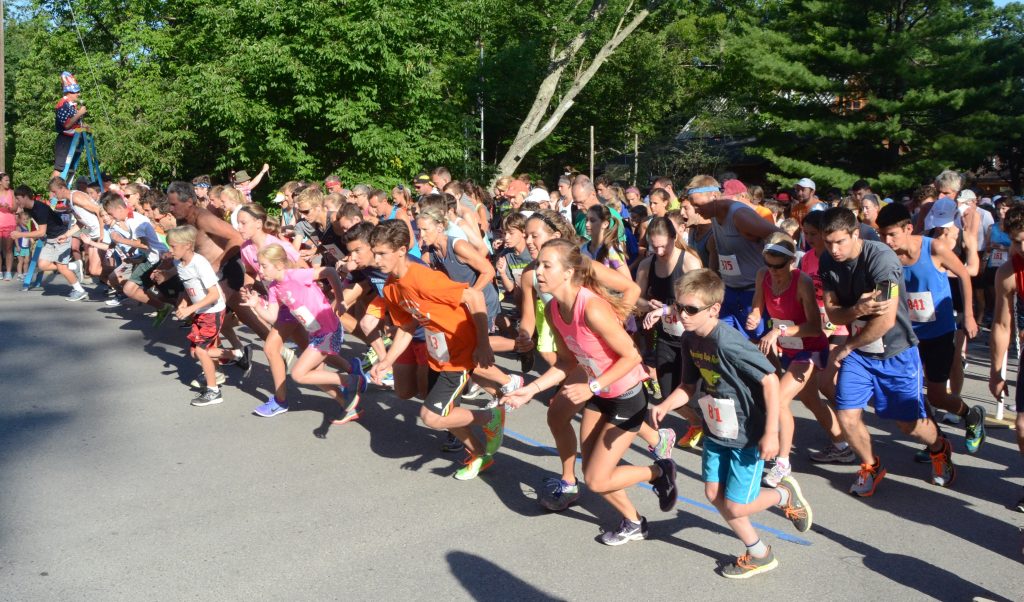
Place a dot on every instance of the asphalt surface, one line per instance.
(112, 487)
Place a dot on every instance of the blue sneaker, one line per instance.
(356, 387)
(270, 409)
(358, 373)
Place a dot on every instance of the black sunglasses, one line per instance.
(691, 310)
(775, 266)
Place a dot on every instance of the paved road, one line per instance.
(114, 488)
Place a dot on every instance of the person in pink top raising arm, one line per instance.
(598, 362)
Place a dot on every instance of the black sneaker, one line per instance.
(628, 531)
(526, 360)
(451, 444)
(208, 398)
(245, 362)
(665, 485)
(1020, 505)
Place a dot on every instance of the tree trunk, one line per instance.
(539, 124)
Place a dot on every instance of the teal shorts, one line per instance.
(739, 468)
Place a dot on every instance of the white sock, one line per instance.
(213, 389)
(78, 287)
(758, 549)
(841, 445)
(237, 353)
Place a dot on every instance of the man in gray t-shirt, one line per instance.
(878, 363)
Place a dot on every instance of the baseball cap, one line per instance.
(515, 187)
(731, 188)
(943, 215)
(966, 195)
(538, 195)
(806, 183)
(423, 178)
(782, 197)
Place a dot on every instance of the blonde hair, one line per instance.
(502, 183)
(783, 240)
(702, 181)
(231, 194)
(434, 213)
(182, 235)
(310, 196)
(704, 284)
(583, 275)
(275, 254)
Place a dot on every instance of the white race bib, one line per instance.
(789, 342)
(306, 318)
(728, 266)
(517, 275)
(921, 306)
(720, 416)
(998, 257)
(671, 324)
(873, 347)
(437, 346)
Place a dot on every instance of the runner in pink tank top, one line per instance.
(598, 362)
(787, 296)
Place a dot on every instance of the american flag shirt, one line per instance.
(65, 110)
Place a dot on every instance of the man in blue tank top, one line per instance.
(927, 264)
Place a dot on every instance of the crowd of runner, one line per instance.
(650, 312)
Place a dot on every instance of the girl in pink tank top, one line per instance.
(598, 362)
(796, 335)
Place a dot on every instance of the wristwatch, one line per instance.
(595, 387)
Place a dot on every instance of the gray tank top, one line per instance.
(458, 271)
(739, 259)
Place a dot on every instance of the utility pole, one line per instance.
(3, 94)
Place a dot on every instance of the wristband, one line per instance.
(664, 310)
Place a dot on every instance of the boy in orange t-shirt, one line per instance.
(454, 321)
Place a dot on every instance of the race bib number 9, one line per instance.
(720, 416)
(437, 346)
(728, 266)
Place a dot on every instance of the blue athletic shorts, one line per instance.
(736, 306)
(895, 384)
(740, 470)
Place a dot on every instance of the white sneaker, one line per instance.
(776, 474)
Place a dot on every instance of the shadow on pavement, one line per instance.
(484, 580)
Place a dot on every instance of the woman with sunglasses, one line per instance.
(668, 259)
(558, 493)
(787, 295)
(602, 370)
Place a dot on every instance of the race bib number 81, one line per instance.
(720, 416)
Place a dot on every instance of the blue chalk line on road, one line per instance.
(780, 534)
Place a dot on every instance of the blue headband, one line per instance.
(703, 189)
(202, 185)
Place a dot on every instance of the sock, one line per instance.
(78, 287)
(213, 389)
(841, 445)
(237, 353)
(782, 461)
(634, 522)
(783, 496)
(757, 549)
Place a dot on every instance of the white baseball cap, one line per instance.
(806, 183)
(944, 214)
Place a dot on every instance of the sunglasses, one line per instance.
(775, 266)
(690, 310)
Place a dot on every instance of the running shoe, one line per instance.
(207, 398)
(559, 494)
(161, 315)
(778, 472)
(110, 291)
(691, 437)
(666, 441)
(473, 466)
(923, 455)
(201, 384)
(975, 434)
(943, 470)
(747, 566)
(797, 510)
(664, 485)
(348, 416)
(494, 430)
(868, 478)
(1020, 505)
(7, 276)
(452, 444)
(474, 391)
(270, 409)
(388, 380)
(628, 531)
(370, 357)
(245, 362)
(526, 361)
(515, 382)
(116, 301)
(833, 455)
(77, 295)
(359, 374)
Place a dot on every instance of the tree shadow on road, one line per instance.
(484, 580)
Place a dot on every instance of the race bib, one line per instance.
(517, 275)
(921, 306)
(124, 270)
(720, 416)
(789, 342)
(589, 366)
(874, 346)
(671, 324)
(306, 318)
(998, 257)
(728, 266)
(437, 346)
(195, 294)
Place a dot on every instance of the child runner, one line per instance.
(602, 369)
(297, 290)
(23, 246)
(204, 299)
(787, 296)
(454, 318)
(741, 411)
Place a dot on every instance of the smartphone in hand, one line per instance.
(885, 290)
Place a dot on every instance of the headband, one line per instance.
(702, 189)
(202, 185)
(781, 250)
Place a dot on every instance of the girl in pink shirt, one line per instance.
(598, 362)
(297, 289)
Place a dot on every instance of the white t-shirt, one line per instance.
(199, 278)
(986, 224)
(87, 220)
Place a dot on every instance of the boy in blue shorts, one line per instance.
(741, 420)
(864, 288)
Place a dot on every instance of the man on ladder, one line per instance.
(68, 117)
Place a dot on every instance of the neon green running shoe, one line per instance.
(474, 465)
(495, 430)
